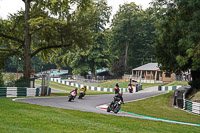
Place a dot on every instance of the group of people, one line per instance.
(116, 89)
(82, 90)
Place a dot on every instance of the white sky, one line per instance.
(11, 6)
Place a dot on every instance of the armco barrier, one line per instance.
(59, 80)
(18, 91)
(168, 88)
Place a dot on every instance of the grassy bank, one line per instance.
(160, 107)
(175, 83)
(69, 88)
(124, 84)
(196, 97)
(21, 117)
(108, 84)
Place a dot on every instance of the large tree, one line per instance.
(125, 28)
(96, 54)
(178, 30)
(42, 27)
(133, 36)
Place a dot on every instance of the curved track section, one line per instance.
(88, 103)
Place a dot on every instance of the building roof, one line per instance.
(149, 66)
(99, 70)
(53, 73)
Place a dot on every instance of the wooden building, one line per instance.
(150, 73)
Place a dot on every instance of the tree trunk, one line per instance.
(126, 56)
(27, 55)
(195, 84)
(93, 72)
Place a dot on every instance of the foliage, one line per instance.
(48, 25)
(96, 54)
(14, 63)
(178, 45)
(133, 37)
(1, 79)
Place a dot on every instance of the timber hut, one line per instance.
(151, 73)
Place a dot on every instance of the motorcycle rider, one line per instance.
(83, 90)
(130, 87)
(75, 90)
(116, 88)
(118, 94)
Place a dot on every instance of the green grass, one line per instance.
(69, 88)
(21, 117)
(196, 97)
(147, 85)
(160, 107)
(108, 84)
(124, 84)
(175, 83)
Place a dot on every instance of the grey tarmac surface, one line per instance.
(88, 103)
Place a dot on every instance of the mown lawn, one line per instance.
(124, 84)
(175, 83)
(69, 88)
(21, 117)
(160, 107)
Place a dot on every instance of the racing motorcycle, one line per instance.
(81, 95)
(130, 89)
(115, 105)
(72, 96)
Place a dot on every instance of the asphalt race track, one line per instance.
(88, 103)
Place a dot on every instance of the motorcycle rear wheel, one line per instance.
(108, 109)
(116, 110)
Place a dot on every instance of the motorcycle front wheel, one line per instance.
(70, 98)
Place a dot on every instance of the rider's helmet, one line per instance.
(76, 89)
(117, 86)
(84, 86)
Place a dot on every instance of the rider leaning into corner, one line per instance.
(83, 89)
(75, 90)
(117, 93)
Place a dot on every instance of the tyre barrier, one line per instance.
(59, 80)
(168, 88)
(193, 107)
(18, 91)
(181, 102)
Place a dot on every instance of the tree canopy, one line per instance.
(97, 53)
(43, 27)
(133, 37)
(178, 30)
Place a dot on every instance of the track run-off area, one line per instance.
(98, 104)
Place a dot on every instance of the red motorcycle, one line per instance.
(130, 89)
